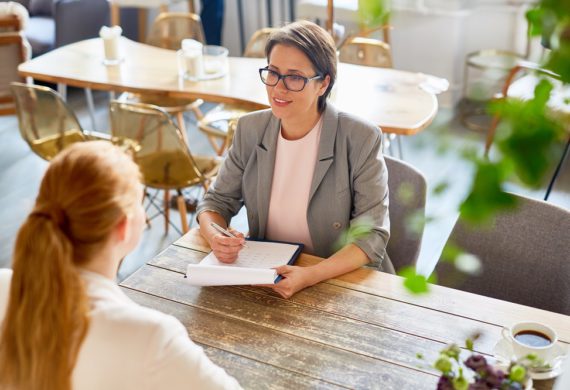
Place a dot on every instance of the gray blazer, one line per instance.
(350, 181)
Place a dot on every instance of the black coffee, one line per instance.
(532, 338)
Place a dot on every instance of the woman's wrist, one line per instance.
(315, 275)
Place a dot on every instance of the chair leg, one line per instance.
(400, 150)
(182, 210)
(182, 126)
(62, 90)
(91, 106)
(197, 112)
(214, 143)
(166, 210)
(491, 134)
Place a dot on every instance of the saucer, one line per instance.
(504, 353)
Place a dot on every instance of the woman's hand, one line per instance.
(294, 279)
(227, 248)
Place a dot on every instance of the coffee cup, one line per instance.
(532, 338)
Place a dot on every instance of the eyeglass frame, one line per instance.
(284, 77)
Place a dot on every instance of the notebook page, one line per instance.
(259, 254)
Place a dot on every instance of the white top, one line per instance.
(128, 346)
(290, 189)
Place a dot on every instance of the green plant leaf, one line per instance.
(440, 188)
(487, 195)
(374, 13)
(535, 17)
(415, 283)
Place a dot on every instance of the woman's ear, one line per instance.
(121, 229)
(324, 85)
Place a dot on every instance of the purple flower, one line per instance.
(479, 386)
(475, 362)
(444, 383)
(494, 378)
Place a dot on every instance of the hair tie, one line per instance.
(54, 212)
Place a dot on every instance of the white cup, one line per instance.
(111, 37)
(521, 335)
(111, 47)
(190, 60)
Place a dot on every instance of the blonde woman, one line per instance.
(65, 322)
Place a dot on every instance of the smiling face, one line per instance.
(292, 106)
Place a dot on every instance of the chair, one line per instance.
(143, 7)
(170, 28)
(161, 152)
(13, 17)
(215, 123)
(14, 49)
(407, 197)
(168, 31)
(366, 51)
(46, 123)
(525, 256)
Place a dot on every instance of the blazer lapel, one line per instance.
(325, 156)
(266, 151)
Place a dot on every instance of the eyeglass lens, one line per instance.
(292, 82)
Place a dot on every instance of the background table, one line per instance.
(361, 330)
(390, 98)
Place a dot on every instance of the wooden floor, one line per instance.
(21, 171)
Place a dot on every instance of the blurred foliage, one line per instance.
(528, 135)
(486, 196)
(360, 228)
(414, 282)
(374, 13)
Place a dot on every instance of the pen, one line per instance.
(225, 231)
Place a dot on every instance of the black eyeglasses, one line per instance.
(292, 82)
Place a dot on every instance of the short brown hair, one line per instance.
(315, 43)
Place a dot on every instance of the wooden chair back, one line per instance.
(256, 46)
(170, 28)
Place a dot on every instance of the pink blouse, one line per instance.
(294, 167)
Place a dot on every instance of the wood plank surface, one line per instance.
(352, 314)
(287, 352)
(289, 317)
(252, 373)
(422, 319)
(455, 302)
(392, 99)
(388, 313)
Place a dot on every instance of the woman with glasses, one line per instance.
(64, 321)
(305, 171)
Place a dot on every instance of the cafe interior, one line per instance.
(477, 160)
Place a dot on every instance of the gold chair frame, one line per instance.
(61, 128)
(190, 169)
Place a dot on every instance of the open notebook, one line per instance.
(254, 265)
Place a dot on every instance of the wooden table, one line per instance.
(361, 330)
(390, 98)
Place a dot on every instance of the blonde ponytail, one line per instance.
(85, 192)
